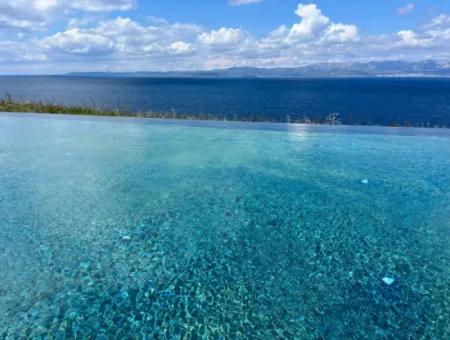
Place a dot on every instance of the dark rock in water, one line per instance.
(273, 223)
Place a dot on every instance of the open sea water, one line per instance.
(140, 229)
(375, 101)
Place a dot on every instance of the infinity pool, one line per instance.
(128, 228)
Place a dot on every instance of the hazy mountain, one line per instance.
(428, 68)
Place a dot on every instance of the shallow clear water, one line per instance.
(129, 228)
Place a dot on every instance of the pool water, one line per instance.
(128, 228)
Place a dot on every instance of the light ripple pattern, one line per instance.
(131, 229)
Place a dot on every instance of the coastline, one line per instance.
(8, 105)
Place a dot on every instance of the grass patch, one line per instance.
(7, 104)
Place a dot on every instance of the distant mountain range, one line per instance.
(427, 68)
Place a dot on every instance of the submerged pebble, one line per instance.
(84, 265)
(388, 280)
(123, 294)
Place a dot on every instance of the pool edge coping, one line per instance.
(244, 125)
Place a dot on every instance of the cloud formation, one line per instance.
(102, 5)
(121, 43)
(243, 2)
(314, 25)
(75, 41)
(122, 39)
(408, 8)
(26, 14)
(222, 37)
(38, 14)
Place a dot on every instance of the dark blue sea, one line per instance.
(380, 101)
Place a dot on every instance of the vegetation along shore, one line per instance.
(8, 104)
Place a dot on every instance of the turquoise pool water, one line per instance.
(126, 228)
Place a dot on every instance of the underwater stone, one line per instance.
(84, 265)
(388, 280)
(123, 294)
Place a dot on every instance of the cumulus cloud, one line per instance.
(38, 14)
(409, 38)
(433, 35)
(341, 33)
(26, 14)
(21, 52)
(102, 5)
(180, 47)
(78, 42)
(442, 21)
(223, 37)
(120, 43)
(312, 23)
(314, 28)
(123, 36)
(408, 8)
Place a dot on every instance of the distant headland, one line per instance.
(428, 68)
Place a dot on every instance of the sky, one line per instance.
(59, 36)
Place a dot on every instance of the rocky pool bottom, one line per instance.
(116, 228)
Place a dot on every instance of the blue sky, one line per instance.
(56, 36)
(262, 17)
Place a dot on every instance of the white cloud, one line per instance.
(439, 22)
(45, 5)
(243, 2)
(94, 42)
(20, 52)
(78, 42)
(223, 36)
(314, 28)
(38, 14)
(408, 8)
(123, 37)
(180, 47)
(433, 35)
(409, 38)
(312, 22)
(102, 5)
(26, 14)
(340, 33)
